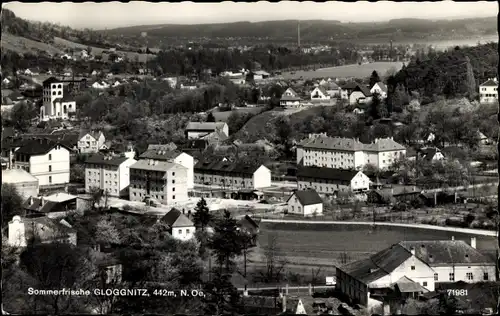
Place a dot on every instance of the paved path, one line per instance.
(480, 232)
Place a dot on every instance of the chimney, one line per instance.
(412, 250)
(392, 191)
(473, 242)
(452, 237)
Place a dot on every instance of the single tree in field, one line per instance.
(202, 216)
(374, 78)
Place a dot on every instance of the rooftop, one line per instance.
(226, 167)
(307, 197)
(160, 154)
(326, 173)
(17, 176)
(349, 144)
(154, 165)
(99, 159)
(204, 126)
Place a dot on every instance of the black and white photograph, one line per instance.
(250, 158)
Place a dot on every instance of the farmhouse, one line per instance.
(111, 174)
(232, 175)
(181, 227)
(46, 230)
(165, 154)
(48, 161)
(196, 130)
(24, 182)
(163, 181)
(332, 181)
(305, 202)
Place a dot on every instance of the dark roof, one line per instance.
(381, 85)
(37, 206)
(438, 252)
(226, 167)
(365, 90)
(307, 197)
(171, 217)
(50, 80)
(249, 224)
(350, 85)
(106, 160)
(378, 265)
(326, 173)
(162, 155)
(38, 146)
(406, 285)
(205, 126)
(490, 83)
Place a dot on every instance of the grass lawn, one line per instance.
(356, 71)
(22, 45)
(223, 116)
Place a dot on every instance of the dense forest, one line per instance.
(457, 72)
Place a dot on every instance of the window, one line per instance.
(173, 197)
(50, 156)
(173, 189)
(173, 181)
(436, 277)
(50, 179)
(485, 276)
(180, 231)
(413, 267)
(187, 231)
(452, 277)
(424, 283)
(469, 276)
(50, 168)
(173, 174)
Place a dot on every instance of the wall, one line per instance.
(360, 182)
(330, 158)
(187, 161)
(355, 96)
(124, 176)
(488, 94)
(262, 178)
(183, 233)
(461, 273)
(196, 135)
(27, 189)
(314, 209)
(39, 166)
(176, 188)
(324, 186)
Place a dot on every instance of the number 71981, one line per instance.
(457, 292)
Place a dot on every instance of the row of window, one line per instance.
(484, 89)
(106, 174)
(489, 95)
(158, 197)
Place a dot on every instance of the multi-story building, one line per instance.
(181, 158)
(90, 141)
(488, 91)
(48, 161)
(111, 174)
(347, 153)
(57, 102)
(196, 130)
(232, 175)
(332, 181)
(420, 265)
(163, 181)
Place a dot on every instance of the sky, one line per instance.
(116, 14)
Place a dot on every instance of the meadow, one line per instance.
(326, 244)
(223, 116)
(346, 71)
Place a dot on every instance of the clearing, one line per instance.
(23, 45)
(224, 115)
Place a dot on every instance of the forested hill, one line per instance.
(322, 29)
(452, 73)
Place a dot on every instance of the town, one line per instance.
(302, 177)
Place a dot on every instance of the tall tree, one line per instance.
(202, 216)
(374, 78)
(12, 203)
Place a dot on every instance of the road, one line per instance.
(461, 188)
(480, 232)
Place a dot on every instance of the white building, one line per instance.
(196, 130)
(110, 174)
(232, 175)
(57, 103)
(42, 229)
(332, 181)
(48, 161)
(181, 227)
(320, 93)
(166, 154)
(305, 203)
(488, 91)
(360, 95)
(25, 183)
(347, 153)
(90, 141)
(380, 89)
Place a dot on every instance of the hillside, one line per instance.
(323, 30)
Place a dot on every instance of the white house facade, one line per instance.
(331, 181)
(488, 91)
(109, 174)
(380, 89)
(305, 203)
(90, 142)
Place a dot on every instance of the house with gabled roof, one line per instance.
(53, 206)
(488, 91)
(360, 95)
(305, 203)
(379, 88)
(90, 141)
(331, 181)
(319, 93)
(197, 130)
(45, 159)
(290, 98)
(181, 227)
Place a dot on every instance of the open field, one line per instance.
(322, 244)
(20, 44)
(356, 71)
(97, 50)
(223, 116)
